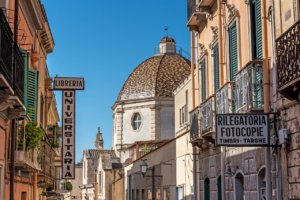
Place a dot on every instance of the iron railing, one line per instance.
(288, 56)
(249, 88)
(6, 47)
(6, 64)
(195, 124)
(225, 99)
(207, 116)
(191, 8)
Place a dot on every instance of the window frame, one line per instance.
(134, 122)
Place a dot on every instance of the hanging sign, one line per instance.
(68, 134)
(68, 83)
(242, 129)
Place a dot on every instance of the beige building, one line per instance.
(231, 44)
(287, 81)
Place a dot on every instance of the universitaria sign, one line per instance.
(68, 87)
(242, 129)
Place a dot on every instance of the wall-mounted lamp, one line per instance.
(143, 167)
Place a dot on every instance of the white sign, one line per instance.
(242, 129)
(68, 83)
(68, 134)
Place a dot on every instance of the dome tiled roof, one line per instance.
(167, 39)
(157, 76)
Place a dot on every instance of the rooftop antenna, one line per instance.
(166, 29)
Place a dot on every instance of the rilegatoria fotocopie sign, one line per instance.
(242, 129)
(68, 83)
(68, 134)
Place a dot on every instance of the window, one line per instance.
(23, 196)
(239, 186)
(206, 189)
(203, 79)
(143, 194)
(233, 51)
(256, 32)
(136, 121)
(183, 111)
(215, 51)
(179, 193)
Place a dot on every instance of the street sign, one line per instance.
(242, 129)
(68, 83)
(68, 134)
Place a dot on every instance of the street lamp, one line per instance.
(143, 168)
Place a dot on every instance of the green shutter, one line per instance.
(233, 51)
(203, 79)
(258, 31)
(216, 66)
(32, 90)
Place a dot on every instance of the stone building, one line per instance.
(232, 74)
(144, 110)
(99, 169)
(287, 81)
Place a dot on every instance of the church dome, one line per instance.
(157, 76)
(167, 39)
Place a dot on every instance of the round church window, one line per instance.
(136, 121)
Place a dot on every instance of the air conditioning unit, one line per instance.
(283, 135)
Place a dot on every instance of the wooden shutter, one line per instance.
(233, 51)
(216, 66)
(258, 31)
(203, 79)
(32, 90)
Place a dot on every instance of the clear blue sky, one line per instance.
(103, 41)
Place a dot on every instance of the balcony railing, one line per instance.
(249, 88)
(207, 116)
(27, 160)
(195, 124)
(6, 64)
(191, 8)
(6, 46)
(224, 99)
(288, 59)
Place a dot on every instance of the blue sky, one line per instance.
(103, 41)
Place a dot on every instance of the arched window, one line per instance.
(239, 186)
(262, 184)
(206, 189)
(136, 121)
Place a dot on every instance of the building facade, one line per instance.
(232, 47)
(286, 81)
(33, 117)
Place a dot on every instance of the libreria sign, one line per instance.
(242, 129)
(68, 85)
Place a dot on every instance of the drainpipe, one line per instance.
(193, 67)
(266, 81)
(220, 42)
(222, 73)
(274, 70)
(13, 130)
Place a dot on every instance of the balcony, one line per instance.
(26, 160)
(195, 136)
(249, 88)
(224, 99)
(287, 61)
(207, 119)
(197, 15)
(12, 94)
